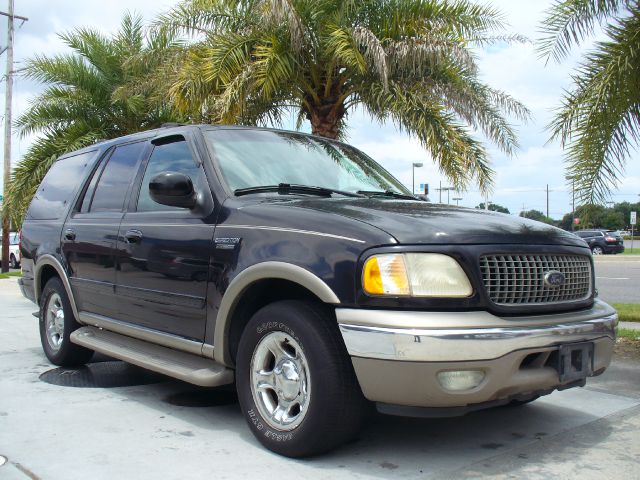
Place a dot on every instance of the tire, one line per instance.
(597, 250)
(57, 322)
(518, 403)
(12, 261)
(313, 373)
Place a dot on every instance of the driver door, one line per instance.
(164, 252)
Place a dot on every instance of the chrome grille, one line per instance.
(519, 279)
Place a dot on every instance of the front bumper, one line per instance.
(397, 355)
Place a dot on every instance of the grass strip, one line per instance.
(10, 274)
(628, 312)
(629, 333)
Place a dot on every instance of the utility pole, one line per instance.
(573, 205)
(440, 192)
(7, 132)
(547, 200)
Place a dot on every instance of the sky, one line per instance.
(520, 181)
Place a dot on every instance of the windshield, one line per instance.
(253, 158)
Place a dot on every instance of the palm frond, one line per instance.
(84, 101)
(599, 119)
(568, 22)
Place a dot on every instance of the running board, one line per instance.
(183, 366)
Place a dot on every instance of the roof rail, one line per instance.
(172, 124)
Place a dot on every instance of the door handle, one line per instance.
(69, 234)
(133, 236)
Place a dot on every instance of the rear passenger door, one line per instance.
(164, 251)
(90, 233)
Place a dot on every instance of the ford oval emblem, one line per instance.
(554, 278)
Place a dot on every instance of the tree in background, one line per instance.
(599, 119)
(84, 101)
(538, 216)
(408, 61)
(494, 207)
(597, 216)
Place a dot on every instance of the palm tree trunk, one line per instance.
(326, 120)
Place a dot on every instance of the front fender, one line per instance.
(257, 272)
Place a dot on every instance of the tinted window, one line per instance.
(58, 186)
(116, 177)
(169, 157)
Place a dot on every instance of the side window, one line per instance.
(169, 157)
(116, 177)
(58, 186)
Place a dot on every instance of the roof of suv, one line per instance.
(156, 131)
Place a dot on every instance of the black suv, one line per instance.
(304, 272)
(602, 241)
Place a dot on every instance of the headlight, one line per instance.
(415, 274)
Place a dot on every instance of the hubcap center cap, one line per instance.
(287, 379)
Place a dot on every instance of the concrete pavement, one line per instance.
(166, 429)
(630, 325)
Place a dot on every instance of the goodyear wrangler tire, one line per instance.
(295, 381)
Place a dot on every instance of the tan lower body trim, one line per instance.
(415, 383)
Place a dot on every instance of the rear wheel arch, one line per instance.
(256, 287)
(46, 268)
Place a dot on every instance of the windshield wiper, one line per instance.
(285, 188)
(387, 193)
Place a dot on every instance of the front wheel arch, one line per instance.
(256, 296)
(268, 275)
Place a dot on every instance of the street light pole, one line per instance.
(547, 200)
(413, 179)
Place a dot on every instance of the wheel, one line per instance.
(56, 325)
(13, 262)
(597, 250)
(295, 381)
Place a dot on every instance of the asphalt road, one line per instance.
(142, 426)
(618, 278)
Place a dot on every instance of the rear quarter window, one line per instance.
(59, 186)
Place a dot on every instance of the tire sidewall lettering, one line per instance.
(267, 327)
(256, 421)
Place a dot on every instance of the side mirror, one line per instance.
(173, 189)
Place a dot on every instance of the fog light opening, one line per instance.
(460, 380)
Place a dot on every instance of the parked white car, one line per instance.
(14, 250)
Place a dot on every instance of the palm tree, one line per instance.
(408, 61)
(84, 99)
(598, 121)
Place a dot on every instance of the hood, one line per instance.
(416, 222)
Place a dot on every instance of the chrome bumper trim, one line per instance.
(468, 344)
